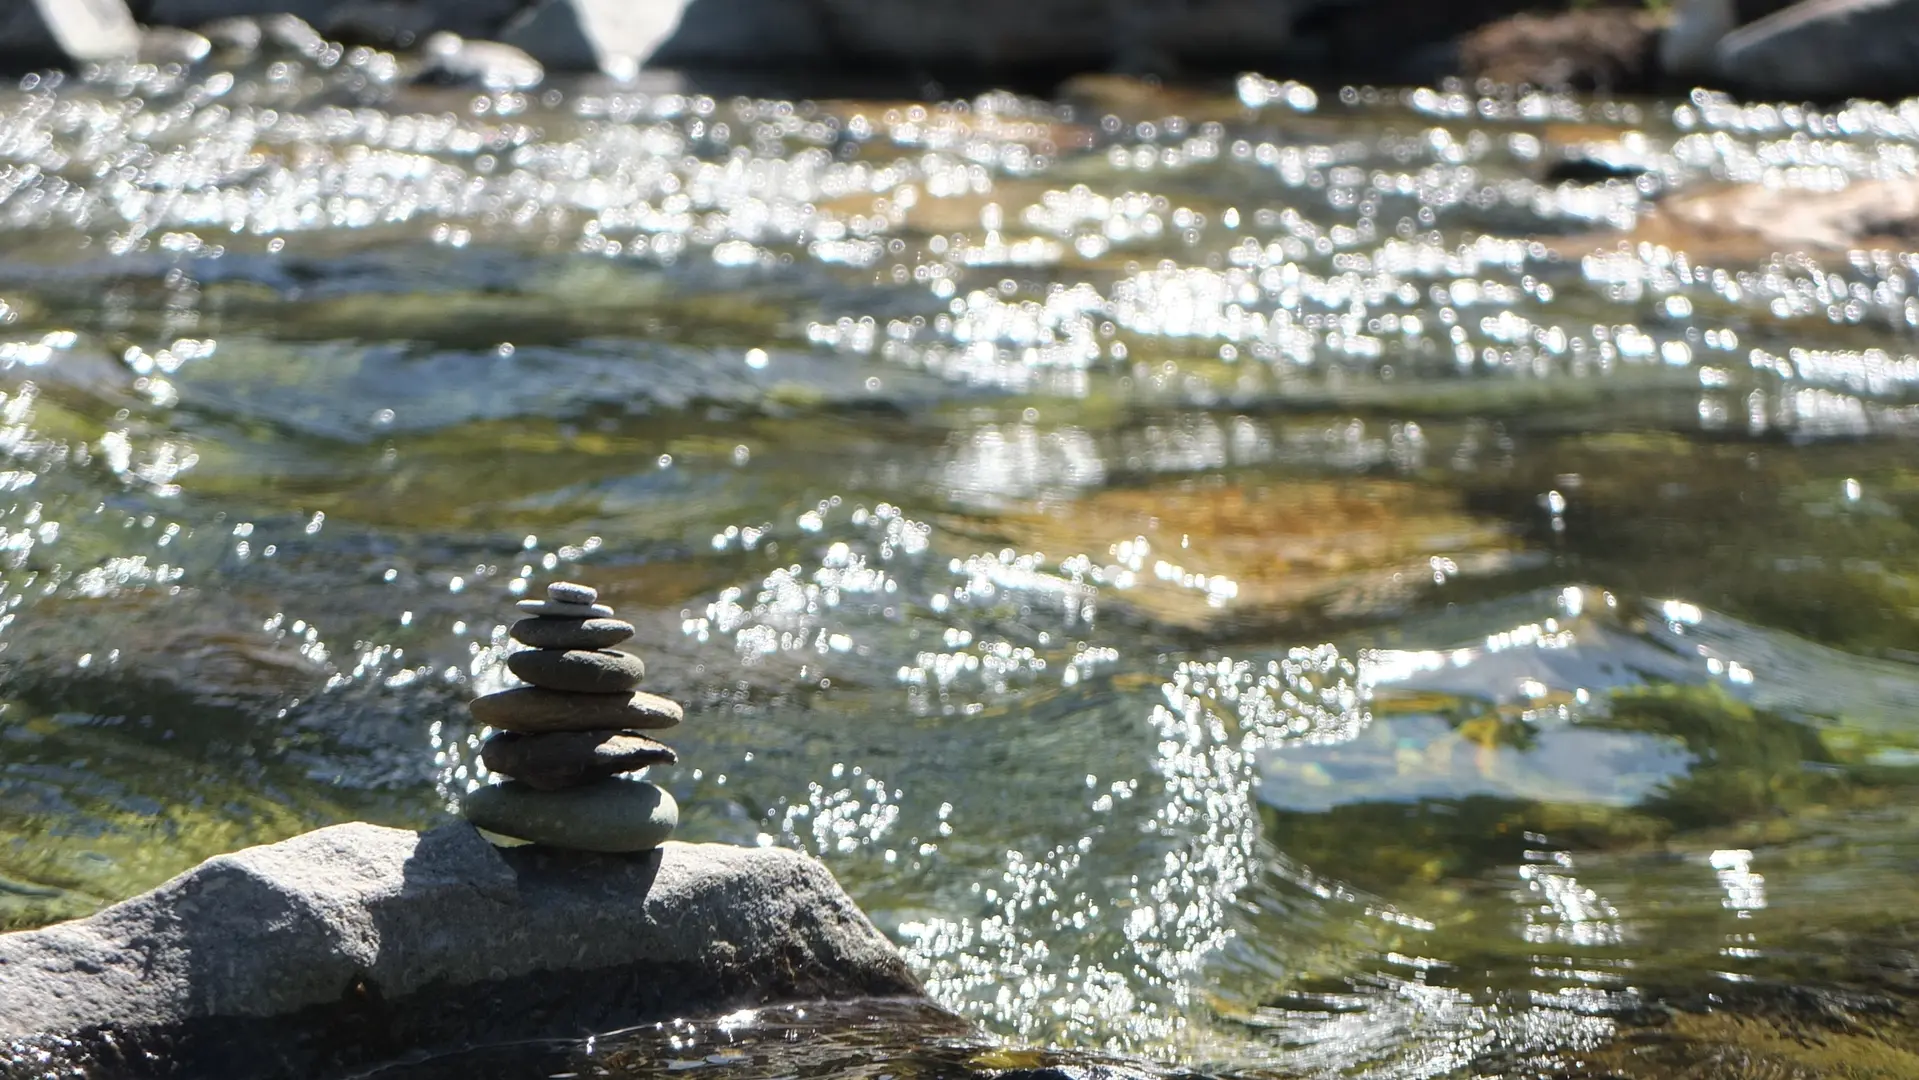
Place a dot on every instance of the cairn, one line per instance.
(569, 742)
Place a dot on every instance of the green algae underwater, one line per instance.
(1213, 575)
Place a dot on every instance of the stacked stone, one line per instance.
(570, 742)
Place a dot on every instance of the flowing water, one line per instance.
(1218, 575)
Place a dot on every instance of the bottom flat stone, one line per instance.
(613, 815)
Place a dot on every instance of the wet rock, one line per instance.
(238, 34)
(1268, 552)
(565, 611)
(255, 962)
(552, 633)
(532, 710)
(452, 60)
(171, 45)
(291, 34)
(1826, 50)
(565, 759)
(51, 33)
(613, 816)
(581, 671)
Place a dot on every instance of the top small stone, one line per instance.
(567, 592)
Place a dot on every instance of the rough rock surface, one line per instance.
(37, 32)
(1826, 49)
(355, 944)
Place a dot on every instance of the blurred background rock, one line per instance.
(1815, 49)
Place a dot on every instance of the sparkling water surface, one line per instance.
(1262, 580)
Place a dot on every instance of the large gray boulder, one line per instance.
(356, 944)
(1826, 50)
(35, 33)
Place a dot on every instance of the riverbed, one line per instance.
(1260, 579)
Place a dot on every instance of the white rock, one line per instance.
(50, 32)
(211, 967)
(491, 65)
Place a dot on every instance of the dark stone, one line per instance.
(564, 759)
(615, 817)
(1826, 50)
(581, 671)
(547, 632)
(532, 710)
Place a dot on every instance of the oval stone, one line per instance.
(613, 816)
(583, 671)
(568, 592)
(531, 710)
(565, 611)
(546, 632)
(568, 759)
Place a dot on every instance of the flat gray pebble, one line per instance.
(582, 671)
(570, 592)
(547, 632)
(532, 710)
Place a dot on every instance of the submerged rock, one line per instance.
(257, 964)
(1742, 222)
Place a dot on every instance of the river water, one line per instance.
(1225, 577)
